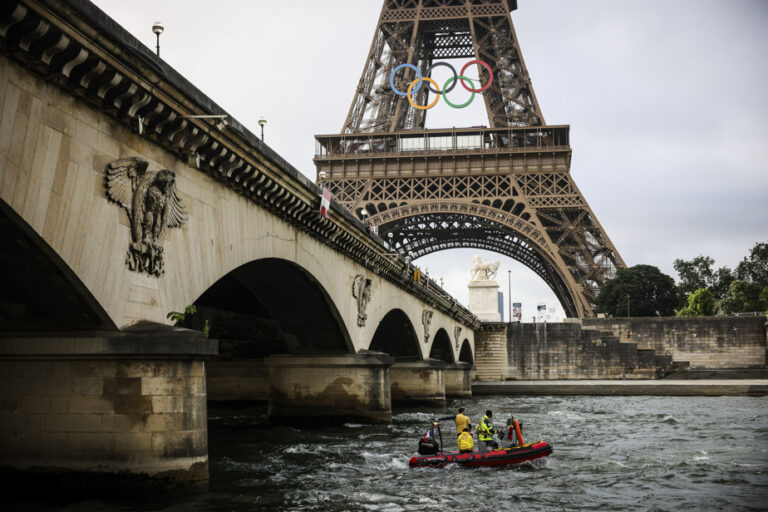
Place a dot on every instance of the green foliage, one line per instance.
(744, 296)
(700, 303)
(178, 317)
(755, 267)
(697, 273)
(647, 291)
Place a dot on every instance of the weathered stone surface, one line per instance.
(704, 342)
(330, 388)
(458, 380)
(242, 380)
(64, 414)
(418, 383)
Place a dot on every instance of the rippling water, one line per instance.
(610, 453)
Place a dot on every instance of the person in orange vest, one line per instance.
(466, 443)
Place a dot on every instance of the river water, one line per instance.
(610, 454)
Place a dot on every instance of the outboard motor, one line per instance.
(428, 447)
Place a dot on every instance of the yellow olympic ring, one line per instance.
(410, 100)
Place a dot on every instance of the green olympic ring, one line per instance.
(446, 89)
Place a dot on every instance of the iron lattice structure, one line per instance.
(505, 188)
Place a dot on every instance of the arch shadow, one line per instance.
(270, 306)
(396, 336)
(40, 292)
(465, 355)
(441, 347)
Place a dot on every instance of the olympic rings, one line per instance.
(456, 78)
(445, 94)
(392, 77)
(437, 96)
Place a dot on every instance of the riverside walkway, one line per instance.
(665, 387)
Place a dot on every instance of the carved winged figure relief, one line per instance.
(152, 204)
(361, 290)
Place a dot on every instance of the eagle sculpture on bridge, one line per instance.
(152, 204)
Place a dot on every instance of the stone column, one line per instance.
(129, 407)
(330, 389)
(242, 380)
(491, 357)
(458, 383)
(484, 300)
(418, 383)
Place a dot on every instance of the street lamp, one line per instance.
(509, 295)
(158, 28)
(262, 122)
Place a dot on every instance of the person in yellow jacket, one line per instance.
(466, 443)
(485, 431)
(461, 419)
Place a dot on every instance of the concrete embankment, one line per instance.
(666, 387)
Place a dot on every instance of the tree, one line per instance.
(697, 273)
(744, 296)
(700, 303)
(643, 288)
(755, 268)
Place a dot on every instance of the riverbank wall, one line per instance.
(631, 348)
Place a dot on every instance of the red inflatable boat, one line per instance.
(500, 457)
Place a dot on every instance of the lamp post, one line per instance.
(262, 122)
(158, 28)
(509, 295)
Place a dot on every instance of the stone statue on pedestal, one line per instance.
(484, 290)
(482, 269)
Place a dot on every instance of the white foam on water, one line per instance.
(352, 425)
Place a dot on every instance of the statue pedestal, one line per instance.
(484, 300)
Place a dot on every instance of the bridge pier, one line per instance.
(458, 381)
(418, 383)
(330, 389)
(87, 413)
(244, 380)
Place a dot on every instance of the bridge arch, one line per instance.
(427, 228)
(27, 266)
(396, 336)
(441, 347)
(466, 356)
(271, 306)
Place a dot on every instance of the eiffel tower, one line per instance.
(505, 188)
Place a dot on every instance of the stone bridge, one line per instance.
(125, 195)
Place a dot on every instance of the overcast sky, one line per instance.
(666, 101)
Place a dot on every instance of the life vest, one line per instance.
(485, 430)
(465, 441)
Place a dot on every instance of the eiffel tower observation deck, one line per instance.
(506, 187)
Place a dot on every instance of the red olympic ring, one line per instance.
(486, 66)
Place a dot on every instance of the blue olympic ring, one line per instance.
(392, 78)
